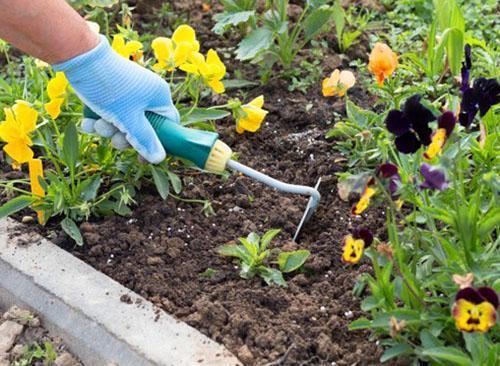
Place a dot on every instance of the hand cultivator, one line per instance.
(206, 151)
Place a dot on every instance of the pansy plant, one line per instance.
(475, 310)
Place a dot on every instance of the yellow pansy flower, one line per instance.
(338, 83)
(131, 50)
(36, 170)
(253, 116)
(19, 121)
(56, 88)
(355, 244)
(211, 69)
(352, 250)
(364, 201)
(475, 310)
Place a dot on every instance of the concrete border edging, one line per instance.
(83, 306)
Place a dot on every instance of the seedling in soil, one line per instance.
(32, 354)
(253, 253)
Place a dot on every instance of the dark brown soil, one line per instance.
(161, 250)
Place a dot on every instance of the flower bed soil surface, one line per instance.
(161, 250)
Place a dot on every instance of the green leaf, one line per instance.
(428, 339)
(370, 303)
(176, 182)
(161, 181)
(15, 205)
(357, 115)
(339, 19)
(448, 354)
(69, 226)
(230, 250)
(271, 275)
(258, 40)
(267, 237)
(361, 323)
(455, 49)
(196, 115)
(89, 187)
(71, 146)
(238, 83)
(251, 247)
(291, 261)
(315, 21)
(226, 19)
(396, 351)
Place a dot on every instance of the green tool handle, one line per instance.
(177, 140)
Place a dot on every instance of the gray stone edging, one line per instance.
(83, 306)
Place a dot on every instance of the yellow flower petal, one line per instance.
(257, 102)
(364, 201)
(352, 249)
(118, 44)
(25, 116)
(471, 317)
(133, 47)
(436, 145)
(185, 34)
(36, 170)
(163, 49)
(217, 86)
(57, 86)
(53, 108)
(19, 151)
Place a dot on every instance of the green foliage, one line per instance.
(349, 26)
(270, 35)
(252, 253)
(35, 353)
(78, 4)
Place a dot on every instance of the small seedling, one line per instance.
(35, 352)
(208, 273)
(253, 253)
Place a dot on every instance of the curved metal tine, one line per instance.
(311, 207)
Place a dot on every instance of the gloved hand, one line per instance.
(120, 92)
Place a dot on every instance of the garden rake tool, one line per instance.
(205, 150)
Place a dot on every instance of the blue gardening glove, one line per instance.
(120, 92)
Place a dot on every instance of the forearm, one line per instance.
(47, 29)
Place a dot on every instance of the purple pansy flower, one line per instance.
(390, 171)
(434, 178)
(484, 94)
(410, 125)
